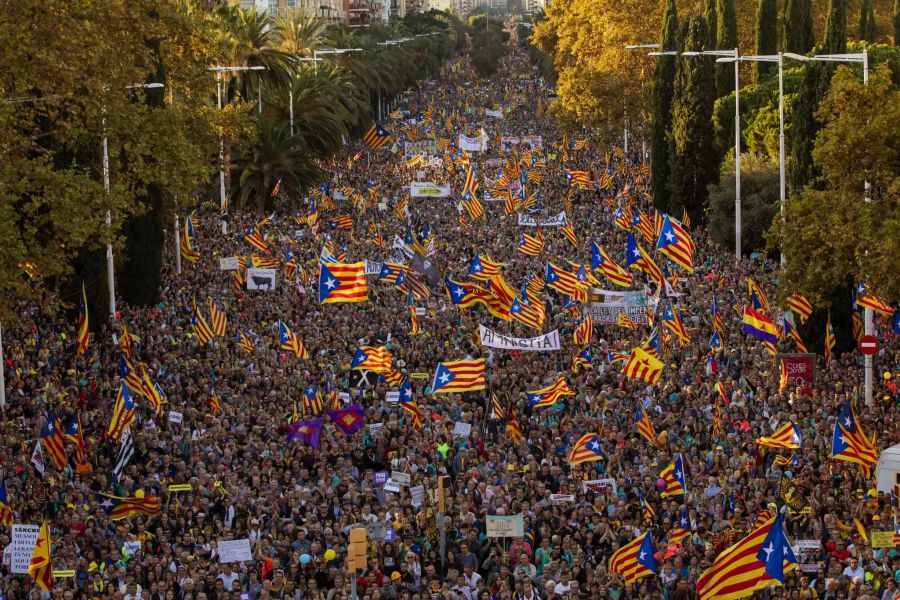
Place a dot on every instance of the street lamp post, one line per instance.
(868, 315)
(291, 89)
(110, 261)
(220, 84)
(316, 53)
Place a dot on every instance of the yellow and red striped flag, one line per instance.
(342, 282)
(41, 566)
(457, 376)
(635, 559)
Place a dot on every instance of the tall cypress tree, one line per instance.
(813, 86)
(726, 39)
(711, 13)
(867, 21)
(661, 92)
(797, 34)
(897, 22)
(766, 36)
(692, 154)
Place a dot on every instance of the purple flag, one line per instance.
(308, 431)
(350, 419)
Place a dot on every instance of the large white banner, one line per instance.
(261, 279)
(471, 144)
(234, 550)
(552, 221)
(420, 147)
(543, 343)
(508, 141)
(497, 114)
(426, 189)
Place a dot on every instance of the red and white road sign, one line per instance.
(868, 344)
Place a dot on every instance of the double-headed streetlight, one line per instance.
(291, 88)
(868, 315)
(110, 263)
(220, 84)
(325, 51)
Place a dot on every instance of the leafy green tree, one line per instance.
(726, 39)
(867, 21)
(711, 14)
(896, 20)
(691, 152)
(766, 36)
(832, 235)
(661, 92)
(797, 32)
(759, 200)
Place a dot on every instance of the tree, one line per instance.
(691, 151)
(896, 20)
(867, 21)
(766, 36)
(797, 33)
(710, 13)
(759, 200)
(832, 236)
(813, 85)
(661, 92)
(726, 39)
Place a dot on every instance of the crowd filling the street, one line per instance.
(477, 343)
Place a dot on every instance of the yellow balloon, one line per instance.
(887, 375)
(139, 494)
(329, 554)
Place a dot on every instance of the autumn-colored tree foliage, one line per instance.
(834, 235)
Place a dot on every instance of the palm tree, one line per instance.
(275, 156)
(298, 33)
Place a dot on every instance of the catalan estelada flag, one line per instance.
(639, 259)
(41, 566)
(601, 261)
(342, 282)
(551, 394)
(187, 240)
(716, 316)
(291, 342)
(117, 508)
(786, 437)
(850, 443)
(152, 392)
(373, 358)
(408, 404)
(676, 243)
(584, 332)
(586, 449)
(255, 239)
(513, 429)
(123, 413)
(800, 305)
(758, 561)
(218, 318)
(641, 365)
(682, 528)
(673, 475)
(644, 425)
(569, 232)
(531, 245)
(457, 376)
(867, 300)
(53, 441)
(635, 559)
(671, 320)
(759, 326)
(82, 333)
(376, 137)
(201, 327)
(757, 296)
(484, 268)
(245, 342)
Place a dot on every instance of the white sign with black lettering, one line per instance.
(418, 495)
(461, 429)
(229, 263)
(234, 550)
(24, 539)
(392, 397)
(175, 417)
(401, 478)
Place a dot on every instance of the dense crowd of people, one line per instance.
(296, 503)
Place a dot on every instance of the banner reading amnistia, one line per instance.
(543, 343)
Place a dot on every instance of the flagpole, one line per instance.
(177, 247)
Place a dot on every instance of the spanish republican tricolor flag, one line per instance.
(759, 326)
(41, 567)
(83, 334)
(342, 282)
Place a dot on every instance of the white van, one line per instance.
(887, 473)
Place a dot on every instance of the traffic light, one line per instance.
(356, 554)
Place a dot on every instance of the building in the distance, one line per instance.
(331, 11)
